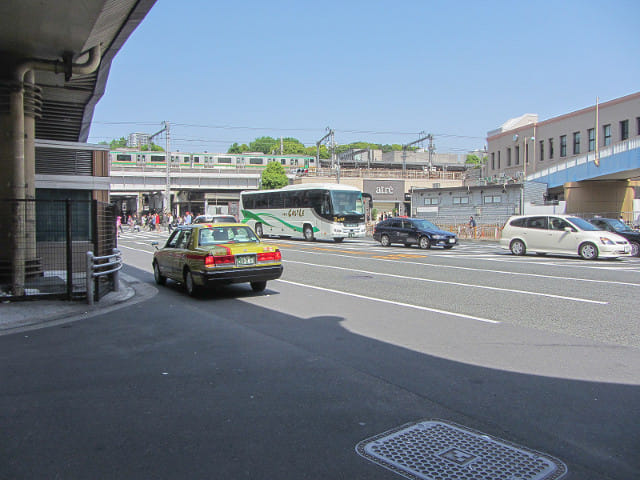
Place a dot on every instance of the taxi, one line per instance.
(207, 254)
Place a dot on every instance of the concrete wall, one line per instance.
(599, 197)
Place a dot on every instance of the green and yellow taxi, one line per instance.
(208, 254)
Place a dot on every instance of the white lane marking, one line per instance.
(471, 269)
(136, 249)
(486, 287)
(390, 302)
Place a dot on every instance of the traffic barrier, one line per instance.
(95, 270)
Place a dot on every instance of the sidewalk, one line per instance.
(32, 314)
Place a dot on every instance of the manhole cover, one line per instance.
(437, 450)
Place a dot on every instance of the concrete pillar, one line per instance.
(32, 108)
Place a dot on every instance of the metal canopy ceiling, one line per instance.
(48, 30)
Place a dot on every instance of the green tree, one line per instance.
(235, 148)
(264, 145)
(118, 143)
(274, 176)
(151, 148)
(475, 161)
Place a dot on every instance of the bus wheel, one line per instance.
(338, 239)
(259, 231)
(307, 231)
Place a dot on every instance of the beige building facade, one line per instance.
(524, 146)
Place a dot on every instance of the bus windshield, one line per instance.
(347, 203)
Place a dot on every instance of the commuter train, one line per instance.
(206, 160)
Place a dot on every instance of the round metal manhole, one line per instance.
(438, 450)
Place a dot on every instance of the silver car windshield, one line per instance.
(582, 224)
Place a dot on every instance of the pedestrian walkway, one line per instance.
(29, 315)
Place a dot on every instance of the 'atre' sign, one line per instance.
(385, 190)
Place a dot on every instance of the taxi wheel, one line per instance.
(158, 277)
(424, 243)
(189, 284)
(384, 240)
(635, 249)
(258, 286)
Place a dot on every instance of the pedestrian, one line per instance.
(472, 226)
(119, 224)
(187, 218)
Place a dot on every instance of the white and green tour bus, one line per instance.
(310, 211)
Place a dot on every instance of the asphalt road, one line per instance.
(354, 340)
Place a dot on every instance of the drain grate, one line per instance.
(438, 450)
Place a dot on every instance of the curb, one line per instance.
(18, 317)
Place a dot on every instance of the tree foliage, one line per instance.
(118, 143)
(475, 161)
(293, 146)
(274, 176)
(122, 143)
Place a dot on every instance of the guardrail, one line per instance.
(95, 270)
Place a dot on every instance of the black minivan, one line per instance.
(409, 231)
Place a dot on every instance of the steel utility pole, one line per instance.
(329, 134)
(166, 200)
(404, 150)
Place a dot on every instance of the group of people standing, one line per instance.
(152, 221)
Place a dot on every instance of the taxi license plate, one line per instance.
(245, 260)
(452, 240)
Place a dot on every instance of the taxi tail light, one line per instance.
(270, 256)
(212, 260)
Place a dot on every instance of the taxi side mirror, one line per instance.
(155, 244)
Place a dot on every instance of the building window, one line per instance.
(638, 125)
(431, 201)
(517, 154)
(493, 161)
(624, 129)
(460, 200)
(550, 148)
(563, 145)
(492, 199)
(606, 130)
(508, 157)
(592, 139)
(541, 150)
(498, 159)
(576, 143)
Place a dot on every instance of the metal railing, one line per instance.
(96, 269)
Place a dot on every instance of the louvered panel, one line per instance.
(60, 121)
(61, 161)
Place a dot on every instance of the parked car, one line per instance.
(215, 219)
(561, 234)
(409, 231)
(622, 229)
(204, 255)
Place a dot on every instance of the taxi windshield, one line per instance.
(219, 235)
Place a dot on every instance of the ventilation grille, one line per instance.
(62, 161)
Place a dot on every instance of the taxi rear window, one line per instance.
(219, 235)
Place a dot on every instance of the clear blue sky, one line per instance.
(378, 71)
